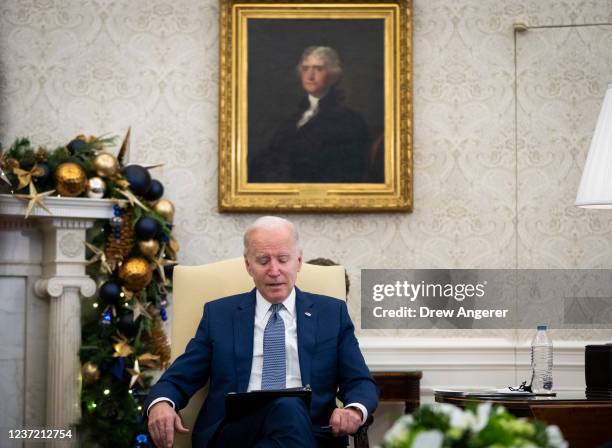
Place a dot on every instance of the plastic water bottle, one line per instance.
(541, 361)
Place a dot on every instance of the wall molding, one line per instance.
(472, 362)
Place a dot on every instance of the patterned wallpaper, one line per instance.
(486, 194)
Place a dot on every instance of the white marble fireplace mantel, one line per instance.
(42, 277)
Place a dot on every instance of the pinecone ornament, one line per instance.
(158, 341)
(117, 249)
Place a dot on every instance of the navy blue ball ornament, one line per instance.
(162, 237)
(41, 180)
(77, 145)
(117, 367)
(156, 191)
(138, 177)
(146, 228)
(110, 292)
(169, 270)
(127, 325)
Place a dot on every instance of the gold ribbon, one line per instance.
(25, 177)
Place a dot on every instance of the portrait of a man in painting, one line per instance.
(326, 127)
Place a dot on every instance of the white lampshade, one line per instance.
(595, 189)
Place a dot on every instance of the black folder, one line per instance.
(239, 404)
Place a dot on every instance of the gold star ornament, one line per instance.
(34, 199)
(133, 200)
(124, 151)
(138, 308)
(160, 262)
(99, 255)
(136, 375)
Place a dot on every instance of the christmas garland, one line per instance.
(131, 258)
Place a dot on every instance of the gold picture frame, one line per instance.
(355, 155)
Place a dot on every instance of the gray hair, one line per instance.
(270, 223)
(330, 58)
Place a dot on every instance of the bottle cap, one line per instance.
(541, 327)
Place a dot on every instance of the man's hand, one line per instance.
(345, 421)
(163, 421)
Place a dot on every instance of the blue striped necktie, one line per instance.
(274, 367)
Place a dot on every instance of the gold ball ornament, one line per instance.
(173, 247)
(148, 248)
(136, 273)
(70, 179)
(106, 164)
(165, 209)
(96, 188)
(90, 372)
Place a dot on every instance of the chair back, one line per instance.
(193, 286)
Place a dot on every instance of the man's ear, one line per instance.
(247, 265)
(299, 261)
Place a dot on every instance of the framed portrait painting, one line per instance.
(315, 106)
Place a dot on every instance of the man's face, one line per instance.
(273, 260)
(316, 79)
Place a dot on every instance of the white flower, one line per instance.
(445, 408)
(399, 430)
(406, 419)
(462, 419)
(483, 412)
(428, 439)
(555, 438)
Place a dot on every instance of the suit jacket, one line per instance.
(221, 353)
(333, 146)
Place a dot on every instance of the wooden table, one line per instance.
(584, 422)
(400, 386)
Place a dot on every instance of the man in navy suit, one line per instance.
(275, 336)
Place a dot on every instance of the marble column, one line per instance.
(64, 281)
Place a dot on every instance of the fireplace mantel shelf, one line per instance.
(60, 207)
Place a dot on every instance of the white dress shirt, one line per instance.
(292, 361)
(293, 375)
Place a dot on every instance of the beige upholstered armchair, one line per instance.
(195, 285)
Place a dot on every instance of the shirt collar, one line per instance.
(263, 305)
(313, 101)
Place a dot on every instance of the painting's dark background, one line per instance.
(275, 48)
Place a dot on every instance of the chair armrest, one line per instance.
(360, 438)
